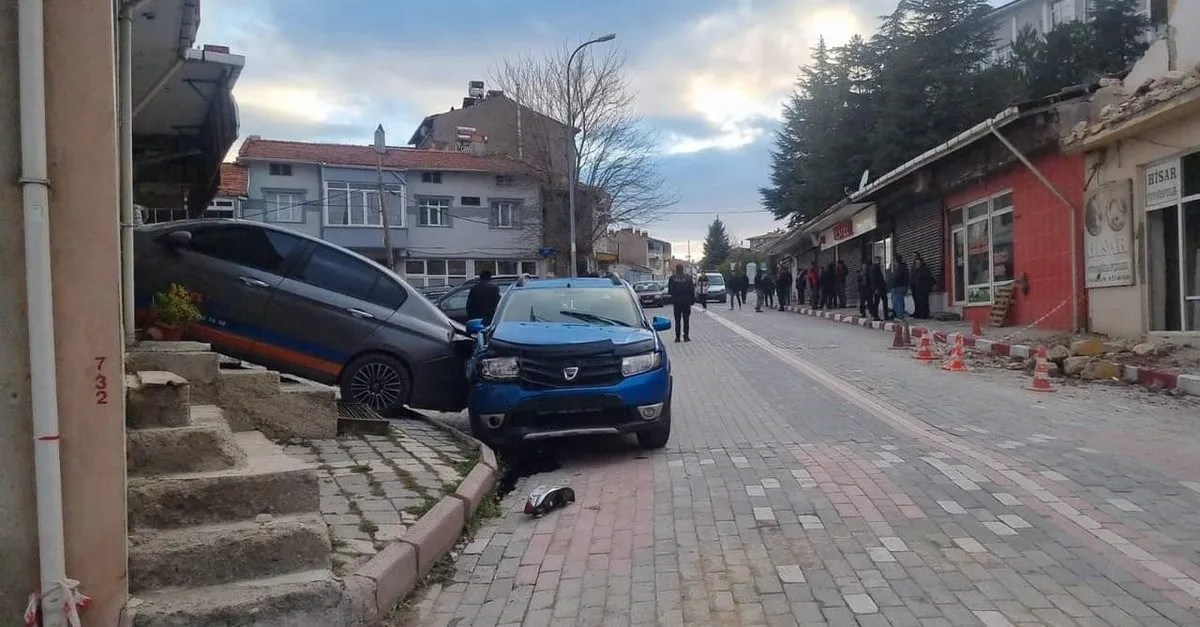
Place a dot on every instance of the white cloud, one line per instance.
(734, 67)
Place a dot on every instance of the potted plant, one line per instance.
(173, 310)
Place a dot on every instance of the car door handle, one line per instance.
(358, 313)
(253, 282)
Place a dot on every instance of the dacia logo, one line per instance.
(570, 372)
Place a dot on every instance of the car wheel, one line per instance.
(378, 381)
(657, 437)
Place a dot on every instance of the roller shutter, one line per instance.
(919, 230)
(851, 253)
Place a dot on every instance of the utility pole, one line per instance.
(380, 149)
(572, 150)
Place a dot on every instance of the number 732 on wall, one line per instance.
(100, 381)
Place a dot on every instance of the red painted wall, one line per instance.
(1041, 239)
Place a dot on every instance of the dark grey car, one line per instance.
(305, 307)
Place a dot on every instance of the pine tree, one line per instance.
(716, 245)
(1118, 30)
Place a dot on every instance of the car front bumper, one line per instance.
(507, 413)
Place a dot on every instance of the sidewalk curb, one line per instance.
(377, 586)
(1165, 379)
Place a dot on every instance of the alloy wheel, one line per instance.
(378, 386)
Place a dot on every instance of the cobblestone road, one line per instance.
(816, 478)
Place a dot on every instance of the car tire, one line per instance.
(378, 381)
(656, 438)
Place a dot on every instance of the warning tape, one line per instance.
(73, 601)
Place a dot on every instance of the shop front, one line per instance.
(1146, 164)
(1008, 244)
(849, 240)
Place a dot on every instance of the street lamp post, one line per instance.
(571, 152)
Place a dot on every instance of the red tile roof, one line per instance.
(258, 149)
(234, 180)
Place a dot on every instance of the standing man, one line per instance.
(783, 287)
(483, 299)
(840, 291)
(879, 297)
(683, 295)
(898, 284)
(922, 287)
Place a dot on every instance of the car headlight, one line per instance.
(500, 368)
(640, 363)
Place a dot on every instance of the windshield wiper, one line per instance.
(591, 317)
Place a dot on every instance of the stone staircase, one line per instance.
(224, 527)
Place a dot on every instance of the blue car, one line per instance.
(566, 357)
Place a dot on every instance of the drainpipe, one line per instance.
(1066, 203)
(125, 146)
(35, 188)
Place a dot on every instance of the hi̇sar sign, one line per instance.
(1108, 235)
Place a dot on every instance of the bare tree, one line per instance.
(617, 152)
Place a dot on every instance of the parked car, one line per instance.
(716, 292)
(651, 293)
(454, 302)
(308, 308)
(567, 357)
(434, 292)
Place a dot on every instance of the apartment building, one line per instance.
(1012, 17)
(450, 213)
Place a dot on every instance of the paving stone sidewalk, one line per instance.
(373, 487)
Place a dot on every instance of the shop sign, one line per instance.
(862, 222)
(1162, 184)
(1108, 235)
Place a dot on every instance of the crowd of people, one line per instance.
(882, 290)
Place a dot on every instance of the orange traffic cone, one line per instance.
(1041, 372)
(898, 337)
(976, 328)
(955, 364)
(925, 349)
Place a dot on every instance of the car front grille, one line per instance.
(545, 371)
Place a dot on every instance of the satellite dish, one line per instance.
(862, 183)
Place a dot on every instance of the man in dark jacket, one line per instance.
(922, 287)
(783, 287)
(829, 286)
(683, 295)
(879, 289)
(483, 298)
(801, 285)
(841, 274)
(898, 284)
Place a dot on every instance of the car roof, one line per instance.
(185, 224)
(589, 282)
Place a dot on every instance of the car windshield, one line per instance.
(648, 286)
(610, 306)
(716, 279)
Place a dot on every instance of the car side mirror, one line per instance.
(177, 239)
(474, 326)
(661, 323)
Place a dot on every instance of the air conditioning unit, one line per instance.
(464, 133)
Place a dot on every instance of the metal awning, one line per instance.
(845, 212)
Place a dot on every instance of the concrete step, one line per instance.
(243, 391)
(156, 398)
(225, 552)
(305, 598)
(206, 444)
(194, 361)
(268, 482)
(304, 410)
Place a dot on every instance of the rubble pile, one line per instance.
(1123, 106)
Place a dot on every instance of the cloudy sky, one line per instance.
(710, 74)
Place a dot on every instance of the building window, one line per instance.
(504, 214)
(528, 267)
(1173, 246)
(357, 204)
(433, 212)
(280, 169)
(471, 201)
(1061, 12)
(431, 177)
(284, 207)
(433, 272)
(982, 248)
(505, 181)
